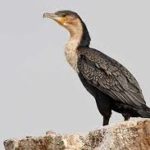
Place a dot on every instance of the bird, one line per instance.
(109, 82)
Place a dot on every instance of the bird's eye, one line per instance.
(63, 15)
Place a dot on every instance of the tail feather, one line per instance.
(144, 113)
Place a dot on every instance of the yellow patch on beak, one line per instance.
(61, 20)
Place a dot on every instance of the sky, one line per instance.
(39, 91)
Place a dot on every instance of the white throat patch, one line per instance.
(71, 47)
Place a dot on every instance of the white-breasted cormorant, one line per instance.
(112, 85)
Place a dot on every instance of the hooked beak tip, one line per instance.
(49, 15)
(44, 15)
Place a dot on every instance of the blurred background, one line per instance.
(39, 91)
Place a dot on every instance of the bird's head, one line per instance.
(73, 23)
(68, 19)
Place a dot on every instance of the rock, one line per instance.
(129, 135)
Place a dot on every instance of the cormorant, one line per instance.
(111, 84)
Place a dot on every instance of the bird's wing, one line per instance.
(109, 76)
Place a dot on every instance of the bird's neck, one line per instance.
(85, 39)
(79, 37)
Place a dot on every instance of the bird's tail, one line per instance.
(144, 113)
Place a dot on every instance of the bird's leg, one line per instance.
(106, 120)
(126, 116)
(104, 107)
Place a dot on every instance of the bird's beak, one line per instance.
(55, 17)
(50, 15)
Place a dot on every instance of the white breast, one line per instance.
(72, 45)
(71, 54)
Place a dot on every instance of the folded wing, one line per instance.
(110, 77)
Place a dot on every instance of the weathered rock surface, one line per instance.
(130, 135)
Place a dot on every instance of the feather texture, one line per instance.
(110, 77)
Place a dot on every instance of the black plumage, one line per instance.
(112, 85)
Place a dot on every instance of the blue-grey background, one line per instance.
(38, 89)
